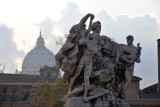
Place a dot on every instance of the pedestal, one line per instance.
(78, 102)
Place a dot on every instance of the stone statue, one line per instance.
(130, 55)
(68, 56)
(96, 68)
(89, 52)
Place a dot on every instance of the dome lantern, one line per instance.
(40, 41)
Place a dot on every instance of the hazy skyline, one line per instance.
(21, 21)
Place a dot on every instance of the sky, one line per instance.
(22, 20)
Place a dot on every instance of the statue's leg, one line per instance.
(129, 74)
(128, 77)
(127, 81)
(87, 73)
(99, 93)
(76, 74)
(131, 71)
(73, 92)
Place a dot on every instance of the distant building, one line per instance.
(19, 85)
(37, 58)
(132, 91)
(38, 64)
(153, 91)
(149, 96)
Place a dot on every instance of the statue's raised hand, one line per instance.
(91, 15)
(138, 46)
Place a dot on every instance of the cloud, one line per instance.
(46, 26)
(51, 30)
(48, 29)
(70, 16)
(8, 49)
(144, 28)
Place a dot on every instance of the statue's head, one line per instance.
(103, 39)
(74, 29)
(78, 29)
(96, 26)
(130, 39)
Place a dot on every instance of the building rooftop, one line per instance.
(22, 78)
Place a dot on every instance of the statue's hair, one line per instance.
(130, 36)
(74, 28)
(105, 38)
(95, 24)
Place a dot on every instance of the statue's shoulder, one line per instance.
(94, 34)
(134, 47)
(122, 45)
(71, 35)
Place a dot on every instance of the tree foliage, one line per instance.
(41, 94)
(47, 95)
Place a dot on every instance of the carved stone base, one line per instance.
(104, 103)
(78, 102)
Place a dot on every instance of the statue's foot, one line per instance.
(64, 98)
(85, 98)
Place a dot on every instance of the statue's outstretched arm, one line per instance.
(84, 19)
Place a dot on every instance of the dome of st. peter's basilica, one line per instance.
(37, 58)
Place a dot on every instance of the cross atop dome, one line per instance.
(40, 41)
(40, 34)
